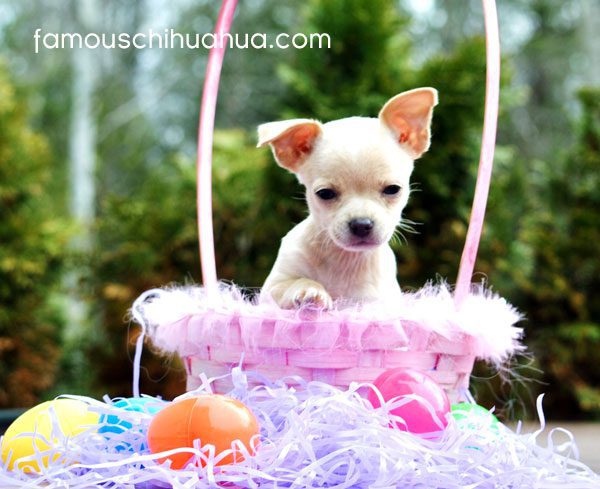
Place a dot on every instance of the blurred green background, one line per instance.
(97, 177)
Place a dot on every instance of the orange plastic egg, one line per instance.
(211, 418)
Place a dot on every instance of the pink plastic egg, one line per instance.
(426, 416)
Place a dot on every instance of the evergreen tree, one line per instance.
(542, 121)
(562, 297)
(32, 243)
(150, 240)
(366, 64)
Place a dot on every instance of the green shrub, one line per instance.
(150, 239)
(32, 244)
(562, 295)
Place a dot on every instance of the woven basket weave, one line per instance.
(447, 366)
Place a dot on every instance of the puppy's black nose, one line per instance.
(361, 226)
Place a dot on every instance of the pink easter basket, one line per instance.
(214, 327)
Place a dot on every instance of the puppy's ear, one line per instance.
(408, 115)
(291, 141)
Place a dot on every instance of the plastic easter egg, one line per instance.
(149, 405)
(474, 417)
(425, 418)
(211, 418)
(112, 423)
(37, 426)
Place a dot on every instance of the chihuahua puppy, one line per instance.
(356, 173)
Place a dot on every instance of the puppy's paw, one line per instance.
(312, 295)
(297, 293)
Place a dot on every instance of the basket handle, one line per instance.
(210, 91)
(486, 158)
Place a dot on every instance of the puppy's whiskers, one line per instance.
(408, 226)
(398, 238)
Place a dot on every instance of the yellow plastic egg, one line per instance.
(72, 416)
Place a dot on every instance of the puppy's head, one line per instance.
(356, 170)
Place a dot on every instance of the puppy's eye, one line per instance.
(326, 194)
(392, 190)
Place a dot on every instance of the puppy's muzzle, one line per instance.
(361, 227)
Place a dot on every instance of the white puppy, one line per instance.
(356, 172)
